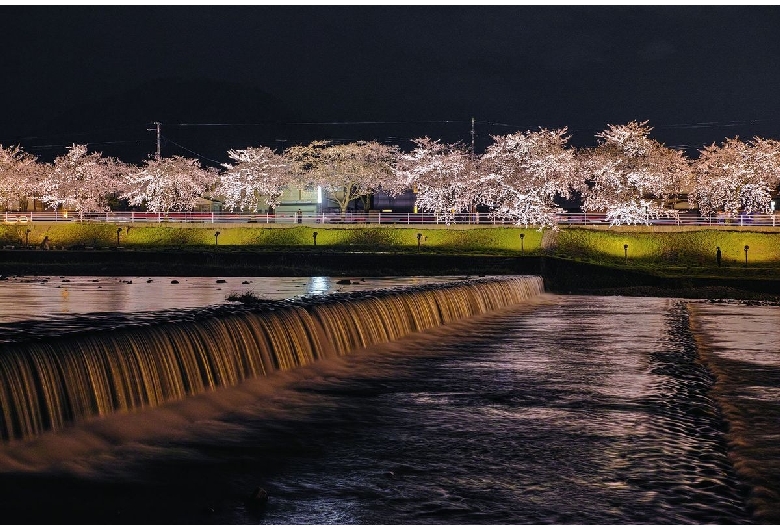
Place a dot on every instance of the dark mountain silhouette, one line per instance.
(200, 119)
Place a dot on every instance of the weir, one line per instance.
(48, 384)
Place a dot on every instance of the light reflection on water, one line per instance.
(45, 297)
(743, 333)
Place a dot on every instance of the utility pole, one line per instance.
(157, 124)
(472, 137)
(472, 206)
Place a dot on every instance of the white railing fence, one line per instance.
(378, 218)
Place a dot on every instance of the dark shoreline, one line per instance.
(561, 276)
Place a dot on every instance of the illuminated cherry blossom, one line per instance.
(736, 176)
(18, 176)
(525, 172)
(631, 177)
(174, 183)
(345, 171)
(519, 178)
(81, 181)
(257, 176)
(442, 175)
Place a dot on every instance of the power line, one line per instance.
(489, 123)
(483, 124)
(191, 151)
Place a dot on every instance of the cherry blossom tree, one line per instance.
(766, 154)
(524, 173)
(82, 181)
(767, 162)
(18, 172)
(345, 171)
(736, 176)
(167, 184)
(631, 176)
(257, 175)
(442, 175)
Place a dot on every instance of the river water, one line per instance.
(49, 298)
(51, 305)
(567, 409)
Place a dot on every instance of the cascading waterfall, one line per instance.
(50, 383)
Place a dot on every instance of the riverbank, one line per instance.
(664, 246)
(561, 275)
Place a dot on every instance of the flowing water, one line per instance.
(741, 346)
(550, 409)
(54, 381)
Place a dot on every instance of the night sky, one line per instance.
(221, 77)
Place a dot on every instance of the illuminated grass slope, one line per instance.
(646, 245)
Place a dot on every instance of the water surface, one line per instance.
(34, 306)
(588, 410)
(741, 345)
(46, 297)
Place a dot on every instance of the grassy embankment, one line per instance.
(572, 259)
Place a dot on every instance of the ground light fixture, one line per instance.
(216, 238)
(746, 251)
(419, 236)
(625, 252)
(315, 238)
(118, 231)
(522, 248)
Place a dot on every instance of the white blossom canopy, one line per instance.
(443, 177)
(631, 176)
(19, 172)
(524, 173)
(256, 176)
(345, 171)
(174, 183)
(520, 176)
(82, 181)
(736, 176)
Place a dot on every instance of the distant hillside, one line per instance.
(238, 116)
